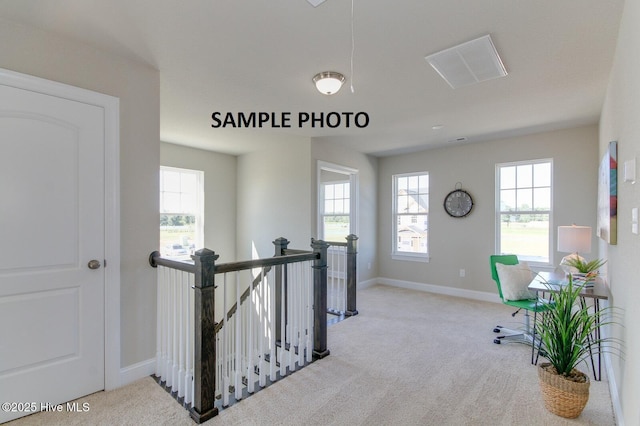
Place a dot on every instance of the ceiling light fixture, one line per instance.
(328, 82)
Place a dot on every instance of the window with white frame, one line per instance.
(181, 212)
(335, 211)
(411, 216)
(524, 209)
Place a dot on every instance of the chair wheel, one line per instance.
(496, 341)
(496, 330)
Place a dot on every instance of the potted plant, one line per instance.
(583, 270)
(567, 332)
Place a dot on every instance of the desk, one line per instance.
(550, 281)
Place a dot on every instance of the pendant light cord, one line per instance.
(353, 46)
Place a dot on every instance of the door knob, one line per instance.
(93, 264)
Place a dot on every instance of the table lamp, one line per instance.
(573, 239)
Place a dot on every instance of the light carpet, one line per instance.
(408, 358)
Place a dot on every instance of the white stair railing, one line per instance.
(337, 278)
(276, 325)
(342, 277)
(248, 352)
(174, 339)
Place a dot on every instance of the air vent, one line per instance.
(468, 63)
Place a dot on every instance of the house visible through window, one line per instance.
(335, 211)
(411, 208)
(524, 209)
(181, 212)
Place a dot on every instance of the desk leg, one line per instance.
(596, 335)
(596, 307)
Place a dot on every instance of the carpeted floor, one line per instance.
(408, 358)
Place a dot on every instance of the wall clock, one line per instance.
(458, 203)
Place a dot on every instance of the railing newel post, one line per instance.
(352, 257)
(320, 299)
(204, 346)
(281, 246)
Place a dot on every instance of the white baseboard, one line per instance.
(438, 289)
(137, 371)
(366, 284)
(613, 390)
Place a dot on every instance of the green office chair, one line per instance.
(527, 335)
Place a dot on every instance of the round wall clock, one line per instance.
(458, 203)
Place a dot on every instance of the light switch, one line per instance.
(630, 171)
(634, 220)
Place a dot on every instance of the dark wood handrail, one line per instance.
(337, 243)
(269, 261)
(155, 259)
(300, 256)
(293, 256)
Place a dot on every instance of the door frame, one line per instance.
(351, 175)
(111, 108)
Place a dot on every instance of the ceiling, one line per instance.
(260, 56)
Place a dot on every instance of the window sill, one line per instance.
(410, 257)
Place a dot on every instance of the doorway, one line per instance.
(59, 192)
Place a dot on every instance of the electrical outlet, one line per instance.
(462, 273)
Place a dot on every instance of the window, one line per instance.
(411, 211)
(337, 202)
(523, 209)
(335, 211)
(181, 212)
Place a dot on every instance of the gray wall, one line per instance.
(620, 122)
(273, 196)
(49, 56)
(466, 243)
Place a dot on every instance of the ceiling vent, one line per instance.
(468, 63)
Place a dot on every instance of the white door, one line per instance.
(51, 227)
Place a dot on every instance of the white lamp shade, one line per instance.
(328, 82)
(574, 239)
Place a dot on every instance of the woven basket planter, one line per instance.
(564, 398)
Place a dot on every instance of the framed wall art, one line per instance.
(607, 226)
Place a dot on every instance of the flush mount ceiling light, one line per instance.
(328, 82)
(468, 63)
(316, 3)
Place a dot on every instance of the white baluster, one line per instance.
(283, 326)
(262, 330)
(301, 309)
(158, 321)
(224, 388)
(293, 339)
(160, 358)
(252, 305)
(239, 326)
(272, 325)
(310, 314)
(182, 327)
(189, 342)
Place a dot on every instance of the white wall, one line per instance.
(274, 198)
(367, 167)
(56, 58)
(467, 243)
(620, 122)
(220, 193)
